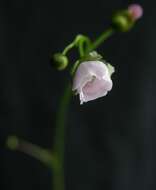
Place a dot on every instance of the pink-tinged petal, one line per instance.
(96, 89)
(97, 68)
(92, 80)
(136, 11)
(81, 76)
(88, 69)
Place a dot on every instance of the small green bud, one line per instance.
(122, 21)
(12, 142)
(60, 61)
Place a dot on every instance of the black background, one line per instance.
(110, 141)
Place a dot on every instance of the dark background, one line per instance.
(110, 141)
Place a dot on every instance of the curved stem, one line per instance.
(81, 49)
(30, 149)
(58, 171)
(79, 42)
(101, 39)
(83, 40)
(58, 177)
(74, 67)
(69, 47)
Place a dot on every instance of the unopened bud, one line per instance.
(125, 19)
(122, 21)
(136, 11)
(60, 61)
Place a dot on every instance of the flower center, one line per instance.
(89, 87)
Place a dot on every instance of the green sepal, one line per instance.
(111, 69)
(92, 56)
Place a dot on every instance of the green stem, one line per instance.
(101, 39)
(58, 172)
(83, 43)
(79, 42)
(81, 49)
(74, 67)
(41, 154)
(68, 48)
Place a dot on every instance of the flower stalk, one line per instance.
(105, 35)
(59, 146)
(122, 21)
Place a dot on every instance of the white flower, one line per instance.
(92, 80)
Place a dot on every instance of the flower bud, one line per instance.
(125, 19)
(136, 11)
(122, 21)
(60, 61)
